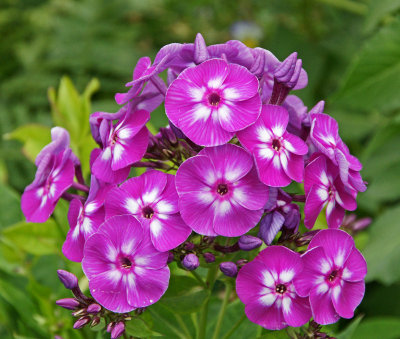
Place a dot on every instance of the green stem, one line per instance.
(348, 5)
(228, 292)
(168, 324)
(235, 327)
(183, 326)
(198, 278)
(211, 277)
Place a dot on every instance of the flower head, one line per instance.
(153, 200)
(265, 286)
(219, 191)
(333, 276)
(85, 219)
(278, 154)
(124, 269)
(325, 136)
(122, 145)
(213, 100)
(323, 186)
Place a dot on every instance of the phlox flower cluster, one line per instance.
(235, 140)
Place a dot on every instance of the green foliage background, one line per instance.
(350, 49)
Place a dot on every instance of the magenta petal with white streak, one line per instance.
(124, 270)
(153, 200)
(219, 192)
(213, 100)
(265, 286)
(278, 154)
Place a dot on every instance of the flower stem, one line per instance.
(235, 327)
(80, 187)
(228, 292)
(211, 277)
(183, 326)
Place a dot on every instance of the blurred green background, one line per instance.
(350, 49)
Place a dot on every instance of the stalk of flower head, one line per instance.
(213, 197)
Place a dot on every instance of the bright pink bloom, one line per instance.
(152, 199)
(333, 276)
(213, 100)
(219, 191)
(124, 270)
(122, 145)
(278, 154)
(265, 286)
(55, 174)
(323, 186)
(84, 220)
(325, 135)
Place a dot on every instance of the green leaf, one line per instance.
(388, 328)
(184, 295)
(9, 203)
(137, 327)
(347, 333)
(374, 77)
(378, 10)
(383, 250)
(37, 239)
(33, 137)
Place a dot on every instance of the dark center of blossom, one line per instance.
(222, 189)
(276, 144)
(125, 263)
(148, 212)
(280, 288)
(214, 99)
(333, 275)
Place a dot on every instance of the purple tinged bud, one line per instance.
(190, 262)
(80, 312)
(209, 257)
(110, 326)
(95, 321)
(306, 238)
(241, 262)
(139, 311)
(284, 72)
(69, 280)
(93, 308)
(361, 224)
(208, 240)
(68, 303)
(118, 330)
(189, 246)
(248, 242)
(171, 257)
(58, 337)
(200, 49)
(318, 108)
(228, 268)
(81, 322)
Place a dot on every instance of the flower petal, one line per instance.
(349, 297)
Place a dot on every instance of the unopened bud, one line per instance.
(228, 268)
(139, 310)
(189, 246)
(361, 224)
(209, 257)
(248, 242)
(208, 240)
(95, 321)
(118, 330)
(110, 326)
(241, 262)
(190, 262)
(306, 238)
(68, 303)
(81, 322)
(69, 280)
(93, 308)
(80, 312)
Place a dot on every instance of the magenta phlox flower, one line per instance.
(143, 72)
(85, 219)
(333, 276)
(153, 200)
(219, 191)
(282, 214)
(323, 186)
(213, 100)
(55, 174)
(97, 118)
(265, 286)
(278, 154)
(124, 269)
(122, 145)
(325, 135)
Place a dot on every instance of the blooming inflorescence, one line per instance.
(235, 139)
